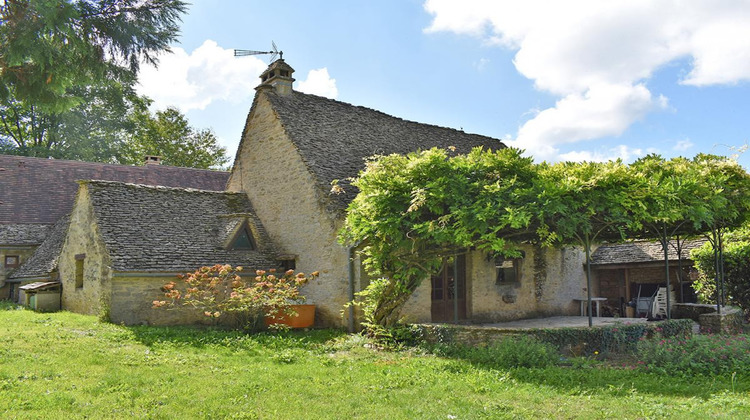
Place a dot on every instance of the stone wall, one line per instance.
(83, 239)
(546, 286)
(285, 197)
(132, 303)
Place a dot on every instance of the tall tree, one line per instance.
(68, 70)
(169, 135)
(48, 47)
(94, 130)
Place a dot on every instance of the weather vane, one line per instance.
(274, 53)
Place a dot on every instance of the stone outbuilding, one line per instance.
(629, 271)
(125, 241)
(35, 194)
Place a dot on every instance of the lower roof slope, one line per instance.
(44, 259)
(23, 234)
(640, 252)
(36, 190)
(160, 229)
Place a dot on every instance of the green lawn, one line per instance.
(63, 365)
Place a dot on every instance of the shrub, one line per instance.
(511, 352)
(220, 291)
(615, 339)
(698, 355)
(736, 267)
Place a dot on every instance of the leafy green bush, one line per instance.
(512, 352)
(8, 305)
(698, 355)
(736, 267)
(616, 339)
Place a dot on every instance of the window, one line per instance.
(12, 261)
(79, 270)
(243, 239)
(507, 270)
(288, 264)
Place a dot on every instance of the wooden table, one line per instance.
(584, 305)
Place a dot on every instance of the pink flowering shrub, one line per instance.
(221, 292)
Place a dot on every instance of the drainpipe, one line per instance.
(350, 270)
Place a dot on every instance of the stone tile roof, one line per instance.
(640, 252)
(44, 259)
(160, 229)
(34, 190)
(334, 138)
(23, 234)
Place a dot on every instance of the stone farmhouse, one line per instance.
(121, 241)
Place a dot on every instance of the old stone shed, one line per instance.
(125, 241)
(627, 271)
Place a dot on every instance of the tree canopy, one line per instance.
(411, 211)
(67, 74)
(48, 47)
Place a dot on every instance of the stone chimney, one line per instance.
(152, 160)
(279, 76)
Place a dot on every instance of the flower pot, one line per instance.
(305, 317)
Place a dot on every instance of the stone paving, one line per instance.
(562, 322)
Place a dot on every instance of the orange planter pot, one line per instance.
(305, 317)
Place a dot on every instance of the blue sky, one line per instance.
(574, 80)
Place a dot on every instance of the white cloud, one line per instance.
(683, 145)
(586, 50)
(211, 73)
(193, 81)
(319, 82)
(603, 111)
(622, 151)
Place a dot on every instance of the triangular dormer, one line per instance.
(243, 239)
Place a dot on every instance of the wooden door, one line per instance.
(444, 296)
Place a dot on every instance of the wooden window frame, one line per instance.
(14, 265)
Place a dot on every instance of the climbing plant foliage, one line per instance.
(414, 210)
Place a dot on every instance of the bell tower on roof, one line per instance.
(279, 76)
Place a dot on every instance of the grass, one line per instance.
(65, 365)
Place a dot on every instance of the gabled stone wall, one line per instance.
(271, 172)
(83, 239)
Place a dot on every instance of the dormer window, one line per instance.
(243, 240)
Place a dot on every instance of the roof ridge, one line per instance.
(102, 164)
(153, 187)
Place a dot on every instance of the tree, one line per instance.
(586, 202)
(169, 135)
(414, 210)
(736, 251)
(94, 130)
(671, 203)
(727, 193)
(47, 48)
(67, 75)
